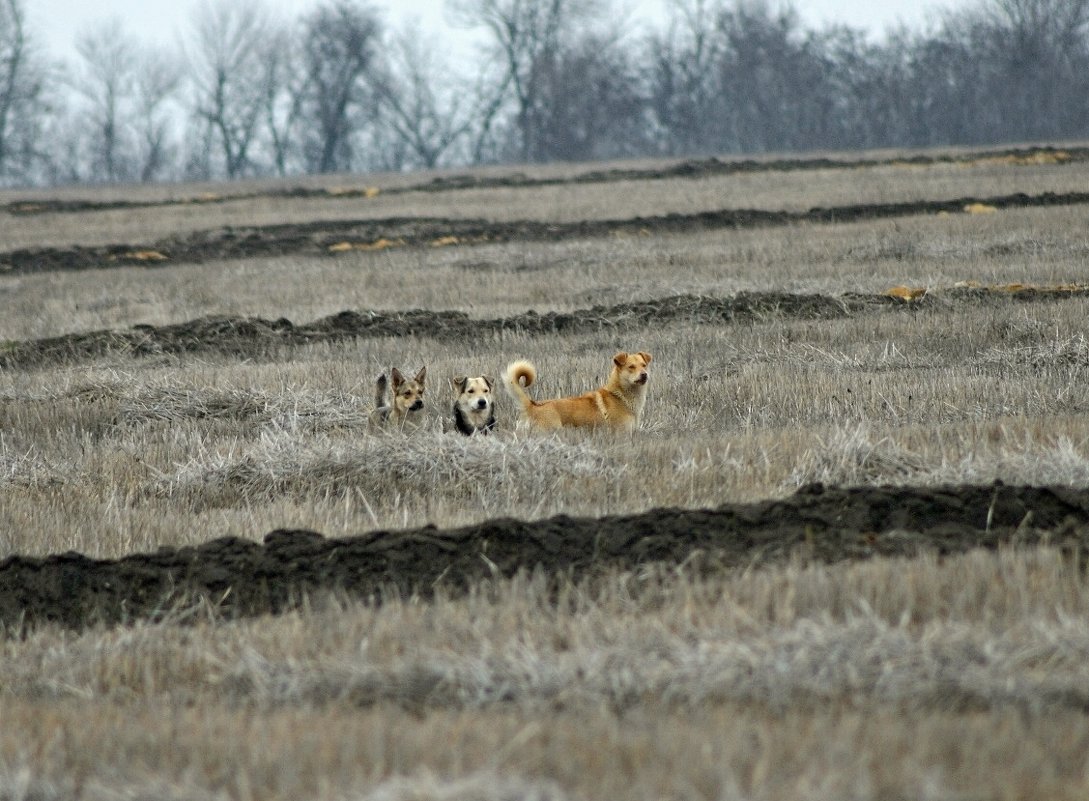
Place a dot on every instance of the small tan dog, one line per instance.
(617, 405)
(474, 409)
(407, 402)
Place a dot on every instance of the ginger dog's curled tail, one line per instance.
(517, 372)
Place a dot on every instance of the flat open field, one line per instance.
(843, 557)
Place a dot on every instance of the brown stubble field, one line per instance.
(926, 677)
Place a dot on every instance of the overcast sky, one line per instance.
(57, 22)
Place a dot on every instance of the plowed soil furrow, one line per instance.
(327, 238)
(690, 168)
(256, 337)
(827, 525)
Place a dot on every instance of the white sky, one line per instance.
(56, 23)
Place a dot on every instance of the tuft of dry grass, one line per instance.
(296, 412)
(1068, 351)
(851, 457)
(494, 472)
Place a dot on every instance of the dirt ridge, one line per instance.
(687, 168)
(257, 337)
(330, 237)
(825, 524)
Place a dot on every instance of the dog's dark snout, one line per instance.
(417, 405)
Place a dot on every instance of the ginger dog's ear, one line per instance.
(398, 379)
(420, 376)
(645, 355)
(619, 359)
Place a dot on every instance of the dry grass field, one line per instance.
(950, 677)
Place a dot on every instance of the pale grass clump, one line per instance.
(18, 783)
(938, 665)
(860, 456)
(1062, 462)
(135, 400)
(854, 456)
(383, 465)
(1069, 351)
(477, 786)
(26, 470)
(299, 410)
(21, 781)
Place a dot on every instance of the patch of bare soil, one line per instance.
(690, 168)
(329, 238)
(824, 524)
(255, 337)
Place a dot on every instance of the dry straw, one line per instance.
(390, 464)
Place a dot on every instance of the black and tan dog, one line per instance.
(404, 409)
(474, 409)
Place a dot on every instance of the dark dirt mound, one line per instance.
(327, 238)
(241, 577)
(691, 168)
(255, 337)
(250, 337)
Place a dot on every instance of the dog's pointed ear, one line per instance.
(458, 383)
(489, 381)
(398, 379)
(420, 376)
(620, 358)
(645, 355)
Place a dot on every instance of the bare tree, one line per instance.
(106, 80)
(427, 117)
(683, 94)
(225, 52)
(1003, 70)
(1038, 29)
(283, 94)
(158, 77)
(525, 34)
(1039, 56)
(768, 78)
(591, 105)
(338, 42)
(22, 88)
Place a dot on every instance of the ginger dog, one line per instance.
(617, 405)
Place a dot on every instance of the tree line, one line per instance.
(339, 89)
